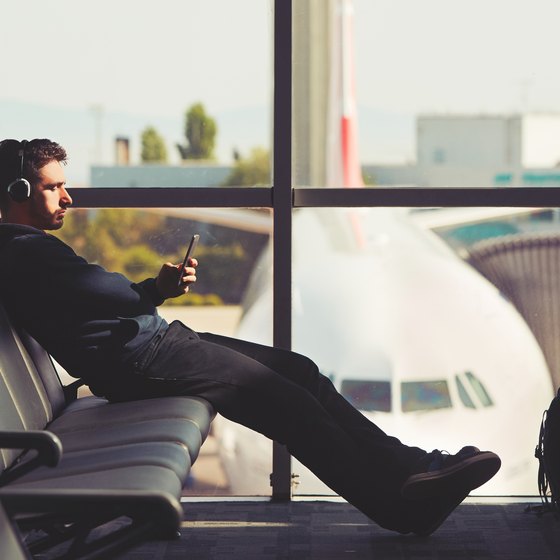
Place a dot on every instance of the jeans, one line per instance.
(282, 395)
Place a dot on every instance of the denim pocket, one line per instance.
(164, 355)
(145, 359)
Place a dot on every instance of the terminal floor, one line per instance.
(334, 530)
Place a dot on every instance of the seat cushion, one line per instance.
(184, 432)
(94, 410)
(170, 455)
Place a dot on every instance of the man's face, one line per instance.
(49, 198)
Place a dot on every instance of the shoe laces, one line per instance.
(439, 457)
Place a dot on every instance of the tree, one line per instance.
(153, 147)
(200, 132)
(136, 243)
(251, 171)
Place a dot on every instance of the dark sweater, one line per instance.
(90, 320)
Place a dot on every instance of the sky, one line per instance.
(85, 72)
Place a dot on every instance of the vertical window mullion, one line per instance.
(282, 206)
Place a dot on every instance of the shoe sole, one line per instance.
(457, 480)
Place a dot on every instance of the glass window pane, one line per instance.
(136, 242)
(398, 93)
(143, 94)
(393, 296)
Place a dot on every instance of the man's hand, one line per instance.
(166, 281)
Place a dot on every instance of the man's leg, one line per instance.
(304, 372)
(443, 480)
(246, 391)
(316, 433)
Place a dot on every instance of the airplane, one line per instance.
(407, 331)
(411, 335)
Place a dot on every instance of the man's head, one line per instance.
(38, 162)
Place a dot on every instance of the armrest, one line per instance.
(46, 444)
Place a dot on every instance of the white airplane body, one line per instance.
(409, 333)
(413, 336)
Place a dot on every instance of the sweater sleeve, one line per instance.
(49, 273)
(149, 286)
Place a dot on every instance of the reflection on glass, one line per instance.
(367, 395)
(382, 297)
(136, 242)
(424, 395)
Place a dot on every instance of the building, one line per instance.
(479, 151)
(159, 175)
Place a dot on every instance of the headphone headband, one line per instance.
(21, 154)
(20, 189)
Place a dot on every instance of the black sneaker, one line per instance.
(423, 517)
(450, 477)
(439, 483)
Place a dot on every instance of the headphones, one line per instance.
(20, 189)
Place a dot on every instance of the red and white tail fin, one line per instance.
(343, 164)
(352, 174)
(342, 148)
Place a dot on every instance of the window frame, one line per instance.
(282, 197)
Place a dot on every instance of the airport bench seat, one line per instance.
(70, 465)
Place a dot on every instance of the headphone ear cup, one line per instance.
(19, 190)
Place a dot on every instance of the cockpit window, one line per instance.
(463, 395)
(424, 395)
(479, 389)
(367, 395)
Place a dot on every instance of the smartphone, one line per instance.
(188, 255)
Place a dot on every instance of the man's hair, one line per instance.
(36, 154)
